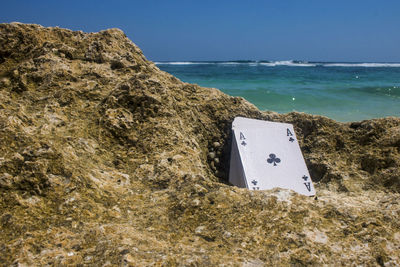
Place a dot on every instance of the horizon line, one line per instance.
(283, 60)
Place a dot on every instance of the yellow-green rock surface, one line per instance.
(104, 161)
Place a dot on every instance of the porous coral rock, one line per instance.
(105, 160)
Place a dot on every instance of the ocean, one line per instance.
(341, 91)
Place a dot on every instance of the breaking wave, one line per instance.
(288, 63)
(368, 65)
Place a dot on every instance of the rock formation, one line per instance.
(106, 160)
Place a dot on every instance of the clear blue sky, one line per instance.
(314, 30)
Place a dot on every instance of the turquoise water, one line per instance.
(341, 91)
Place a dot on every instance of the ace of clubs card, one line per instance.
(266, 155)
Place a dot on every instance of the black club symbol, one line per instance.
(273, 159)
(254, 182)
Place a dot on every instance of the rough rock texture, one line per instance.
(105, 160)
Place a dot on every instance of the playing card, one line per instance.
(267, 155)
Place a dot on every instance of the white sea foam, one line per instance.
(287, 63)
(230, 63)
(368, 65)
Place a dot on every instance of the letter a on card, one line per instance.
(266, 155)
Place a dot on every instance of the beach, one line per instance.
(106, 160)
